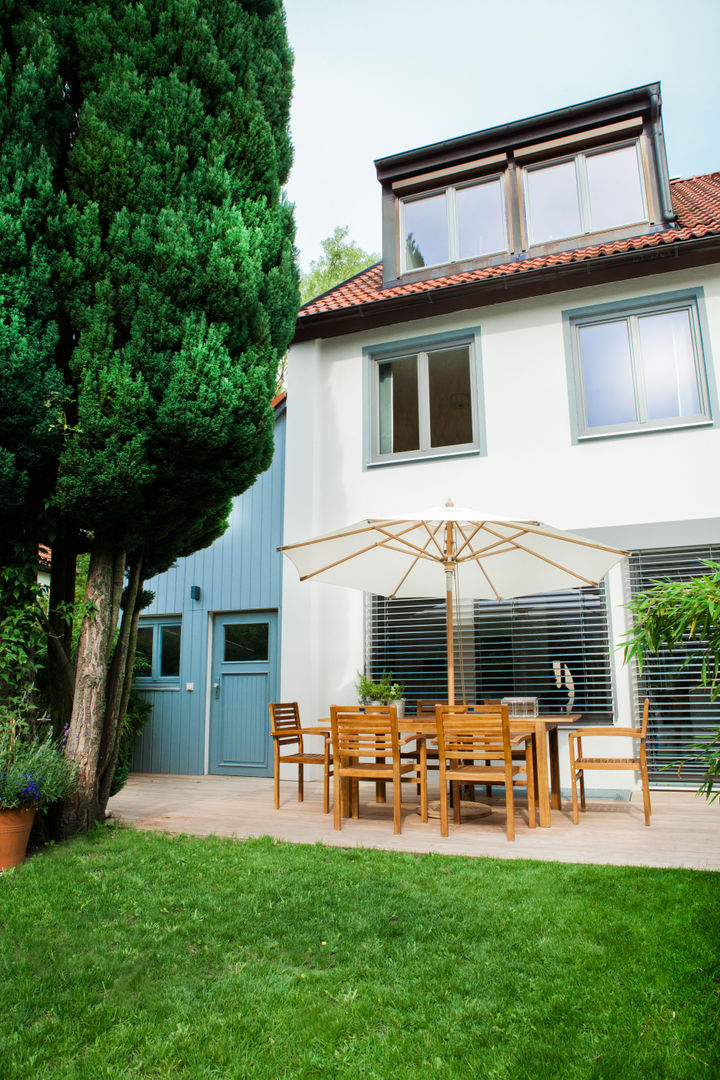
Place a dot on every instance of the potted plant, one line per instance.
(34, 772)
(383, 692)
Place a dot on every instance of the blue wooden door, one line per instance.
(244, 680)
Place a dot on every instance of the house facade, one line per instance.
(211, 638)
(540, 342)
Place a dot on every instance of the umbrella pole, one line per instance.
(450, 641)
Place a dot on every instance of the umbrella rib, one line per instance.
(551, 562)
(370, 527)
(410, 569)
(409, 547)
(530, 527)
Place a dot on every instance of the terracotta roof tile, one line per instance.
(696, 202)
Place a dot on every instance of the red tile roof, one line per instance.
(696, 202)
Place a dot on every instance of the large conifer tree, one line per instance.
(169, 294)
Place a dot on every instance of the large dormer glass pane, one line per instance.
(614, 188)
(426, 231)
(480, 219)
(554, 208)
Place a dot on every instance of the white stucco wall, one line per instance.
(655, 487)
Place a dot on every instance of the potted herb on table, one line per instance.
(383, 692)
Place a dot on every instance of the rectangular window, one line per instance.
(457, 223)
(591, 192)
(639, 369)
(552, 646)
(158, 650)
(424, 401)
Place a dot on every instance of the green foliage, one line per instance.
(139, 954)
(672, 612)
(340, 260)
(33, 771)
(146, 263)
(384, 691)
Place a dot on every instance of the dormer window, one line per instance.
(593, 173)
(590, 192)
(457, 223)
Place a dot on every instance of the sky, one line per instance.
(377, 77)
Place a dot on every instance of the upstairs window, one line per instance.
(639, 369)
(424, 402)
(461, 222)
(591, 192)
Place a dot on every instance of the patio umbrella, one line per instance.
(430, 553)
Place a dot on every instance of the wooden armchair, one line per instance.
(287, 732)
(579, 763)
(367, 746)
(482, 735)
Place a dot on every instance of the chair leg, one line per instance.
(423, 784)
(397, 801)
(326, 781)
(581, 774)
(337, 796)
(645, 785)
(456, 801)
(443, 803)
(530, 778)
(277, 776)
(300, 783)
(510, 809)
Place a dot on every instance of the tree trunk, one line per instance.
(119, 683)
(61, 677)
(81, 810)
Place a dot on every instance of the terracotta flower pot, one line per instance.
(15, 826)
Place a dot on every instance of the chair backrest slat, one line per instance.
(372, 732)
(285, 723)
(483, 732)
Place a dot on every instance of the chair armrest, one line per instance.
(412, 738)
(634, 733)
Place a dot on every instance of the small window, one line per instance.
(592, 192)
(457, 223)
(245, 642)
(639, 369)
(424, 402)
(158, 650)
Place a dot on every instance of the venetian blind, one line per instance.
(552, 646)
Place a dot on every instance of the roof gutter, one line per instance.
(472, 294)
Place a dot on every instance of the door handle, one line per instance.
(216, 688)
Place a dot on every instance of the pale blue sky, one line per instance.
(376, 77)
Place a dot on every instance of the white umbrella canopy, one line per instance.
(430, 552)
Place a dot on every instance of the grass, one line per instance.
(128, 954)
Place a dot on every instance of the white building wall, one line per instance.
(659, 487)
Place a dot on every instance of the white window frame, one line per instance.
(421, 347)
(453, 237)
(630, 312)
(583, 190)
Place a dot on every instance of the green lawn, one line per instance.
(127, 954)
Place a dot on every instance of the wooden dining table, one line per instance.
(544, 729)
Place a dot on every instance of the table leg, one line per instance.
(556, 800)
(542, 778)
(380, 789)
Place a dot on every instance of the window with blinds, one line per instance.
(552, 646)
(681, 714)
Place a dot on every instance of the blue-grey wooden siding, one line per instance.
(241, 571)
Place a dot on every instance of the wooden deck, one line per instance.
(685, 830)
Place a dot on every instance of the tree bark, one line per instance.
(61, 675)
(81, 810)
(119, 683)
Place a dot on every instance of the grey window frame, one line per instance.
(158, 624)
(579, 159)
(691, 301)
(449, 191)
(375, 354)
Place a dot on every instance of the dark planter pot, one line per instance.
(15, 826)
